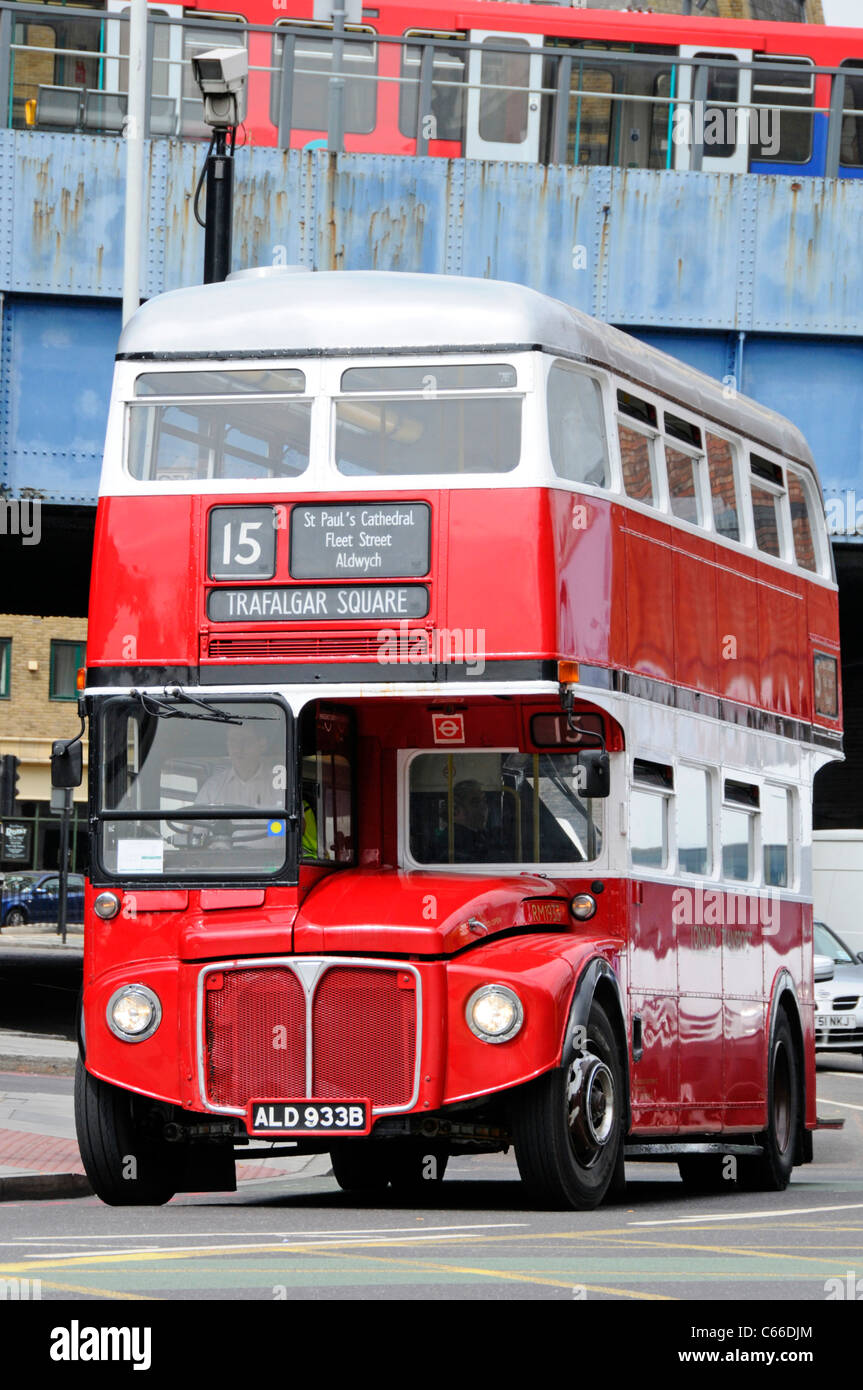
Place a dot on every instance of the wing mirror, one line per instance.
(824, 969)
(594, 778)
(67, 763)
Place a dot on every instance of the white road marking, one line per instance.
(749, 1215)
(277, 1235)
(251, 1247)
(846, 1104)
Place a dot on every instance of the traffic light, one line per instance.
(8, 784)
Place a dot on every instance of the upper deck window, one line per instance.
(436, 424)
(801, 523)
(468, 376)
(637, 450)
(767, 495)
(576, 427)
(210, 425)
(723, 489)
(683, 466)
(228, 383)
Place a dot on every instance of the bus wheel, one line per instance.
(771, 1171)
(706, 1173)
(125, 1168)
(359, 1165)
(568, 1124)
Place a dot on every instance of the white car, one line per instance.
(838, 1002)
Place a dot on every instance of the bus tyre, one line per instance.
(568, 1124)
(771, 1171)
(359, 1165)
(125, 1168)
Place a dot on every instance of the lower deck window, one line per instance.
(500, 808)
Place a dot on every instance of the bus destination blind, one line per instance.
(377, 540)
(303, 604)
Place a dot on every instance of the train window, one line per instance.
(611, 117)
(313, 62)
(694, 849)
(801, 523)
(720, 463)
(505, 94)
(723, 86)
(782, 137)
(576, 427)
(852, 123)
(767, 496)
(445, 120)
(652, 785)
(776, 827)
(52, 55)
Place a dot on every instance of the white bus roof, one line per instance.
(289, 311)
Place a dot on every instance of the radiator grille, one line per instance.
(364, 1023)
(247, 1021)
(365, 1033)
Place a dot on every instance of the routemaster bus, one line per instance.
(458, 669)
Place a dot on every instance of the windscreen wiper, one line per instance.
(161, 709)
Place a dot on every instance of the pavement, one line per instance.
(43, 936)
(39, 1156)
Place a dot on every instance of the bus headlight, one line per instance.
(582, 907)
(134, 1013)
(494, 1013)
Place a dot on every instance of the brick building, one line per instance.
(39, 658)
(784, 11)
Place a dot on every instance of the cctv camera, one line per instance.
(221, 74)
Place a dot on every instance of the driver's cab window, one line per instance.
(502, 807)
(326, 791)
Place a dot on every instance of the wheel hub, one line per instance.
(591, 1105)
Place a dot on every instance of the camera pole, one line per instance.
(219, 209)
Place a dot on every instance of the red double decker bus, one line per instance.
(458, 670)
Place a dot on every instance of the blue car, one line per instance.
(35, 897)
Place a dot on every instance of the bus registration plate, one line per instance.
(309, 1117)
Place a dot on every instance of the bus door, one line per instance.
(504, 97)
(167, 93)
(725, 134)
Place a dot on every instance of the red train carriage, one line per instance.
(458, 669)
(484, 80)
